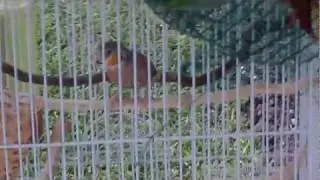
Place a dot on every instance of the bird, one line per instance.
(126, 62)
(111, 61)
(126, 65)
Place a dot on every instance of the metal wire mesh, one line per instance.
(231, 129)
(227, 27)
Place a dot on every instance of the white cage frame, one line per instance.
(309, 105)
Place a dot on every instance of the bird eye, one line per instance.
(123, 56)
(108, 52)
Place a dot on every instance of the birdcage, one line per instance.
(222, 92)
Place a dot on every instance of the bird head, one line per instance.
(110, 54)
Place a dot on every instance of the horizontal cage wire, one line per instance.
(132, 90)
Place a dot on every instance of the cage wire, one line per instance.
(214, 24)
(254, 123)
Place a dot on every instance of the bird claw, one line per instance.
(114, 99)
(142, 102)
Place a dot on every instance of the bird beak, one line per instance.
(98, 61)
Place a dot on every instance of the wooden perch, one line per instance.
(55, 151)
(186, 100)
